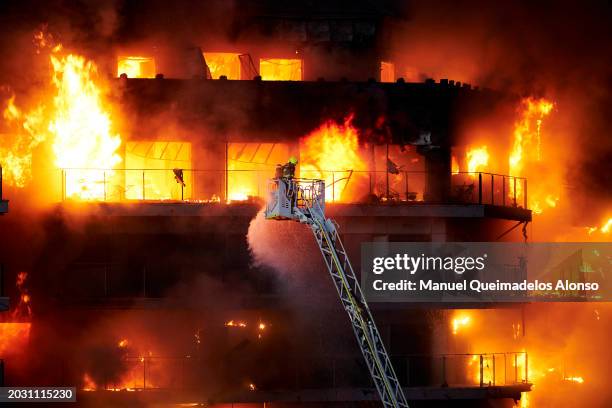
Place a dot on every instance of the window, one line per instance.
(387, 72)
(223, 63)
(154, 170)
(279, 69)
(250, 165)
(136, 67)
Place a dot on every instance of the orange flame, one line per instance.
(232, 323)
(88, 383)
(332, 148)
(13, 336)
(133, 379)
(23, 310)
(75, 120)
(81, 128)
(454, 165)
(16, 155)
(459, 322)
(136, 67)
(607, 226)
(280, 69)
(478, 159)
(527, 149)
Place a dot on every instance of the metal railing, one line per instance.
(149, 373)
(240, 185)
(415, 370)
(482, 370)
(489, 188)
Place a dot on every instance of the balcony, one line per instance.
(337, 378)
(348, 187)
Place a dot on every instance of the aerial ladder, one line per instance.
(303, 200)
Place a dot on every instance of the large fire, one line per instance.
(526, 153)
(16, 158)
(504, 354)
(81, 128)
(136, 376)
(331, 153)
(74, 119)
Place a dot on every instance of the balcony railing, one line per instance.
(417, 370)
(240, 185)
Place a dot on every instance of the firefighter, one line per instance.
(289, 168)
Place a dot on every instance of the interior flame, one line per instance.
(331, 153)
(136, 67)
(81, 128)
(527, 151)
(16, 152)
(74, 119)
(477, 159)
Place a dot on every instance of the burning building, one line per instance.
(137, 174)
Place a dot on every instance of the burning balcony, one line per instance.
(344, 186)
(496, 375)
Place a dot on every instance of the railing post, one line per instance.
(481, 371)
(444, 383)
(406, 192)
(505, 369)
(516, 368)
(526, 368)
(226, 171)
(493, 356)
(525, 195)
(515, 203)
(144, 373)
(387, 171)
(479, 188)
(504, 191)
(407, 371)
(492, 189)
(143, 185)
